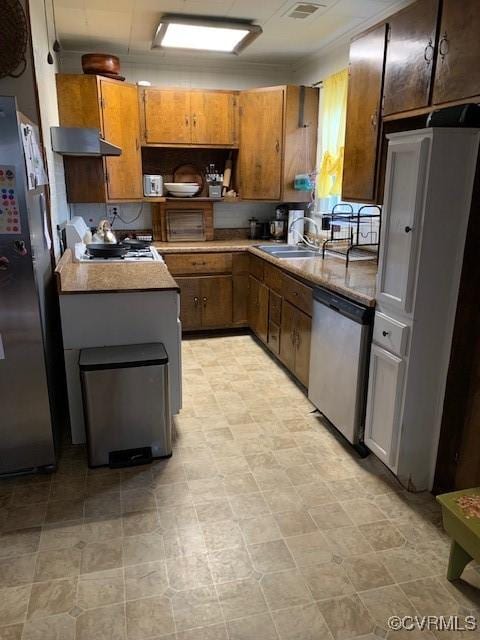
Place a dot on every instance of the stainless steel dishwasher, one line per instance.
(341, 336)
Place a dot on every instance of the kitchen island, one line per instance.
(116, 304)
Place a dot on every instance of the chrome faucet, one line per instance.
(303, 238)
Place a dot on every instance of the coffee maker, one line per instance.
(278, 227)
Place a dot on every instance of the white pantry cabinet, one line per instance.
(402, 223)
(385, 394)
(428, 196)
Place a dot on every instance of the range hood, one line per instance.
(80, 141)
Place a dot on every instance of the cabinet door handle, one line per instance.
(277, 145)
(443, 46)
(194, 120)
(195, 301)
(198, 264)
(385, 333)
(204, 301)
(186, 121)
(298, 339)
(137, 146)
(408, 229)
(374, 120)
(428, 52)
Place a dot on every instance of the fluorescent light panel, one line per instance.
(189, 36)
(203, 34)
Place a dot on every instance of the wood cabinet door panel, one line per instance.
(167, 116)
(274, 337)
(190, 306)
(240, 299)
(275, 310)
(303, 326)
(261, 144)
(287, 336)
(257, 267)
(216, 300)
(363, 115)
(410, 57)
(78, 101)
(258, 308)
(213, 117)
(385, 390)
(457, 73)
(121, 125)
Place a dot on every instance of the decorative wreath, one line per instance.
(13, 39)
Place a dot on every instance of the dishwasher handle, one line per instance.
(348, 308)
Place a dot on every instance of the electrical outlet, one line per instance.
(112, 211)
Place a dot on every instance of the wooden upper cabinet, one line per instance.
(167, 116)
(213, 118)
(367, 54)
(112, 107)
(261, 138)
(122, 127)
(410, 57)
(457, 75)
(189, 117)
(273, 145)
(78, 101)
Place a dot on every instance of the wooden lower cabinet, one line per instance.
(205, 302)
(287, 338)
(240, 300)
(295, 341)
(190, 309)
(258, 308)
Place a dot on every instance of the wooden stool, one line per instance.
(465, 533)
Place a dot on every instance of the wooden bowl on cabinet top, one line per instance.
(100, 63)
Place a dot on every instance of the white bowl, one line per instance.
(182, 189)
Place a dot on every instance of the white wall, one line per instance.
(317, 68)
(47, 94)
(213, 75)
(216, 76)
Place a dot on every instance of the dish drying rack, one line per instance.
(354, 232)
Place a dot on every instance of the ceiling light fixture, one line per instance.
(204, 34)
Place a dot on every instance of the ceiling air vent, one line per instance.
(303, 10)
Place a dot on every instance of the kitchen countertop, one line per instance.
(76, 277)
(208, 246)
(357, 282)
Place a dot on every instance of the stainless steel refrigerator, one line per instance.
(31, 369)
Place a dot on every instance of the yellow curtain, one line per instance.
(334, 106)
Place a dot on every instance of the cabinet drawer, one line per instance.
(240, 263)
(257, 267)
(275, 313)
(390, 334)
(274, 337)
(297, 293)
(273, 277)
(182, 263)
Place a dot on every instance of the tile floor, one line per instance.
(262, 526)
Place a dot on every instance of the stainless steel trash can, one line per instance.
(126, 400)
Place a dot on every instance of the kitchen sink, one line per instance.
(285, 251)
